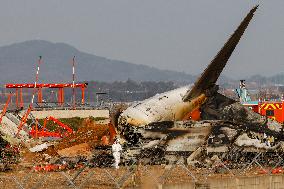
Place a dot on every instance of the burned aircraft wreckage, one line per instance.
(159, 129)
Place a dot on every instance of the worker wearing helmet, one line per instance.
(116, 149)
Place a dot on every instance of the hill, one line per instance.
(18, 64)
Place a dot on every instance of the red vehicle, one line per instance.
(270, 109)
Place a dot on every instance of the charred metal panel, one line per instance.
(190, 141)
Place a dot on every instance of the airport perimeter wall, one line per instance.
(255, 182)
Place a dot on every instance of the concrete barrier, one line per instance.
(71, 113)
(243, 182)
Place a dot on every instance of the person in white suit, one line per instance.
(116, 150)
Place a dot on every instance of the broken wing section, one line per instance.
(213, 71)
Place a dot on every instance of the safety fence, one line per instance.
(262, 171)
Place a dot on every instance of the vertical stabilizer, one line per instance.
(214, 69)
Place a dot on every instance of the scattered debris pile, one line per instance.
(47, 153)
(234, 135)
(87, 146)
(90, 132)
(9, 155)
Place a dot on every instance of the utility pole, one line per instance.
(73, 82)
(25, 116)
(36, 79)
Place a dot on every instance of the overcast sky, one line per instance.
(180, 35)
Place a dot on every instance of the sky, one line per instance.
(180, 35)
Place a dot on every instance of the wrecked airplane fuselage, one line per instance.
(157, 125)
(162, 107)
(177, 104)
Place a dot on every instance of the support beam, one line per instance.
(5, 107)
(61, 96)
(39, 95)
(21, 98)
(83, 95)
(17, 98)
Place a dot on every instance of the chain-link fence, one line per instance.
(258, 170)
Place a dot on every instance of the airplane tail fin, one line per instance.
(214, 69)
